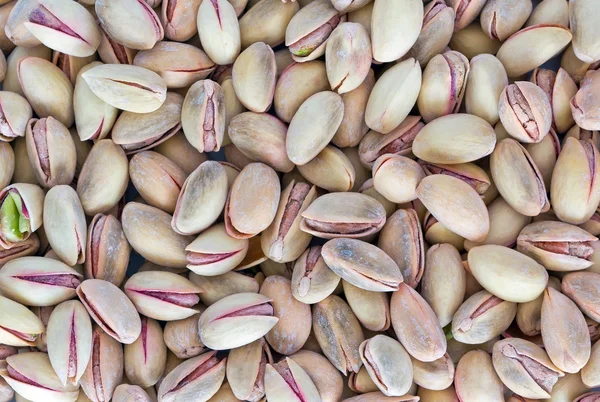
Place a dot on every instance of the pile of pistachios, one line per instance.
(299, 201)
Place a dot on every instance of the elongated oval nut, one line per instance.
(179, 19)
(312, 280)
(525, 111)
(476, 379)
(145, 359)
(589, 373)
(219, 31)
(393, 96)
(500, 19)
(267, 22)
(111, 309)
(203, 116)
(254, 77)
(214, 288)
(181, 337)
(506, 273)
(585, 31)
(437, 375)
(246, 370)
(581, 288)
(325, 377)
(236, 320)
(20, 213)
(560, 89)
(395, 27)
(16, 112)
(370, 308)
(126, 87)
(287, 381)
(348, 56)
(396, 177)
(18, 325)
(438, 26)
(487, 79)
(15, 30)
(470, 173)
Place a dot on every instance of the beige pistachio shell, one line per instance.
(476, 379)
(179, 19)
(487, 79)
(11, 80)
(203, 116)
(472, 41)
(325, 377)
(181, 152)
(371, 308)
(266, 21)
(395, 27)
(438, 26)
(19, 327)
(544, 154)
(254, 77)
(214, 288)
(397, 177)
(145, 359)
(219, 31)
(312, 280)
(284, 380)
(500, 19)
(583, 107)
(590, 373)
(581, 287)
(436, 375)
(330, 170)
(582, 17)
(246, 369)
(181, 337)
(16, 111)
(550, 12)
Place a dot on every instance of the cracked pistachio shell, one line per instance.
(283, 241)
(330, 170)
(32, 199)
(507, 273)
(179, 19)
(465, 138)
(518, 179)
(583, 16)
(117, 16)
(393, 96)
(423, 338)
(252, 202)
(456, 205)
(297, 83)
(564, 332)
(348, 57)
(236, 320)
(19, 327)
(444, 281)
(582, 288)
(560, 88)
(371, 308)
(103, 178)
(203, 116)
(550, 12)
(64, 224)
(130, 88)
(246, 370)
(486, 81)
(501, 18)
(254, 77)
(47, 88)
(395, 27)
(286, 380)
(105, 370)
(157, 178)
(35, 378)
(94, 118)
(145, 359)
(16, 112)
(544, 155)
(111, 309)
(575, 187)
(201, 199)
(15, 29)
(476, 379)
(179, 64)
(294, 325)
(322, 373)
(516, 55)
(438, 26)
(396, 177)
(470, 173)
(312, 280)
(435, 375)
(583, 105)
(69, 334)
(149, 232)
(338, 333)
(266, 22)
(261, 137)
(465, 12)
(181, 336)
(214, 288)
(402, 239)
(219, 31)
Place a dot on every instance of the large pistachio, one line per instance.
(287, 381)
(113, 52)
(15, 112)
(348, 57)
(312, 280)
(11, 80)
(339, 333)
(438, 26)
(145, 358)
(179, 19)
(371, 308)
(506, 273)
(64, 224)
(582, 288)
(325, 377)
(422, 337)
(436, 233)
(246, 370)
(518, 179)
(330, 170)
(396, 177)
(313, 126)
(69, 335)
(163, 296)
(18, 325)
(116, 16)
(394, 95)
(15, 28)
(266, 22)
(487, 78)
(214, 288)
(24, 248)
(500, 19)
(149, 232)
(470, 173)
(575, 188)
(203, 116)
(435, 375)
(472, 41)
(20, 213)
(582, 21)
(569, 61)
(476, 379)
(254, 76)
(395, 28)
(283, 241)
(38, 281)
(343, 215)
(219, 31)
(466, 11)
(236, 320)
(564, 332)
(111, 309)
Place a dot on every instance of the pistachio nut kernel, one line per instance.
(20, 213)
(287, 381)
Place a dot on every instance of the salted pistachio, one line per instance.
(518, 179)
(516, 55)
(145, 359)
(178, 19)
(560, 88)
(482, 317)
(438, 26)
(15, 112)
(287, 381)
(443, 284)
(69, 334)
(38, 281)
(266, 21)
(130, 88)
(338, 333)
(470, 173)
(105, 369)
(19, 327)
(574, 200)
(32, 376)
(181, 336)
(313, 126)
(246, 370)
(23, 249)
(550, 12)
(568, 388)
(115, 16)
(348, 57)
(393, 96)
(581, 287)
(203, 116)
(113, 52)
(556, 245)
(219, 31)
(564, 332)
(506, 273)
(20, 213)
(525, 111)
(343, 215)
(472, 41)
(501, 19)
(322, 373)
(486, 81)
(396, 177)
(312, 280)
(465, 138)
(582, 15)
(64, 224)
(465, 12)
(443, 85)
(254, 77)
(395, 28)
(584, 108)
(476, 378)
(15, 29)
(435, 375)
(330, 170)
(370, 308)
(130, 393)
(283, 241)
(214, 288)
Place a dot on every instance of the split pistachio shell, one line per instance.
(476, 379)
(111, 309)
(246, 370)
(18, 325)
(394, 95)
(437, 375)
(11, 80)
(20, 213)
(286, 379)
(330, 170)
(438, 26)
(525, 111)
(560, 89)
(348, 57)
(312, 280)
(254, 77)
(16, 111)
(145, 358)
(15, 29)
(219, 31)
(500, 19)
(466, 11)
(486, 81)
(266, 21)
(149, 232)
(325, 377)
(396, 177)
(313, 126)
(179, 19)
(395, 27)
(506, 273)
(581, 287)
(105, 370)
(214, 288)
(203, 116)
(582, 16)
(529, 314)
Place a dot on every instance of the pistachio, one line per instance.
(113, 52)
(287, 381)
(371, 308)
(544, 154)
(581, 21)
(581, 288)
(23, 249)
(396, 177)
(15, 112)
(214, 288)
(145, 358)
(486, 81)
(130, 393)
(20, 213)
(436, 375)
(179, 19)
(466, 11)
(340, 174)
(254, 77)
(472, 41)
(18, 325)
(584, 109)
(312, 280)
(438, 26)
(589, 373)
(348, 57)
(560, 89)
(395, 28)
(246, 370)
(219, 31)
(181, 152)
(501, 19)
(436, 233)
(325, 377)
(550, 12)
(368, 189)
(266, 22)
(476, 378)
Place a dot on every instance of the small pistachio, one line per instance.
(20, 213)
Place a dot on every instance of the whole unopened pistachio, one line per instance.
(438, 26)
(203, 115)
(254, 76)
(395, 28)
(371, 308)
(396, 177)
(179, 19)
(348, 56)
(246, 370)
(287, 381)
(486, 81)
(18, 325)
(266, 21)
(20, 213)
(219, 31)
(582, 287)
(15, 112)
(340, 174)
(472, 41)
(181, 337)
(145, 358)
(476, 379)
(582, 15)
